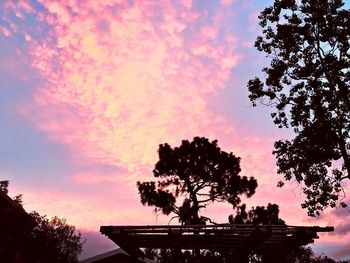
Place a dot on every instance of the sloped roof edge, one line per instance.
(110, 254)
(10, 201)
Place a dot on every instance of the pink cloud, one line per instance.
(131, 85)
(186, 3)
(226, 2)
(5, 31)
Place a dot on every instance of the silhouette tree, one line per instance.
(308, 83)
(52, 240)
(33, 238)
(199, 173)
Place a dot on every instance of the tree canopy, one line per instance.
(307, 83)
(197, 173)
(52, 240)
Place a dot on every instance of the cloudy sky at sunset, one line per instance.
(89, 89)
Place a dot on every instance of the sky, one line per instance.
(89, 89)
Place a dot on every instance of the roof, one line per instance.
(262, 238)
(6, 201)
(11, 212)
(118, 251)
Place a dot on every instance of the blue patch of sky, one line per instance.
(29, 24)
(25, 153)
(14, 86)
(208, 5)
(347, 4)
(37, 5)
(328, 249)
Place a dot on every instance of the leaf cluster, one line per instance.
(257, 215)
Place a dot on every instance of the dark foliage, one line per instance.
(301, 255)
(200, 173)
(52, 240)
(257, 215)
(308, 83)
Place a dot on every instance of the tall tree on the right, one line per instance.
(307, 83)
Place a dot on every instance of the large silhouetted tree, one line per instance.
(197, 173)
(308, 83)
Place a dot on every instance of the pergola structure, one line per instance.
(273, 242)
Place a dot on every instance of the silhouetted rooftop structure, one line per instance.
(9, 203)
(11, 212)
(266, 239)
(13, 220)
